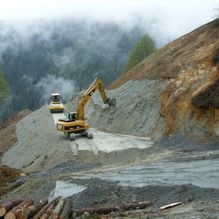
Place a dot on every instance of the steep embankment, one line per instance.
(7, 131)
(190, 66)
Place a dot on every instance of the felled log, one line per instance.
(30, 211)
(49, 210)
(170, 205)
(6, 206)
(44, 208)
(58, 209)
(106, 210)
(66, 211)
(12, 214)
(41, 211)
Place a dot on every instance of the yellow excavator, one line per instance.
(75, 123)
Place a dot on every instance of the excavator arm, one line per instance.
(96, 85)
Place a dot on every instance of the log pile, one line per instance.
(58, 208)
(6, 206)
(26, 209)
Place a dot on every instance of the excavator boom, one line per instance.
(97, 84)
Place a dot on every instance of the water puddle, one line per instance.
(65, 189)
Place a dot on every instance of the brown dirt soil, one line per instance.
(7, 176)
(7, 131)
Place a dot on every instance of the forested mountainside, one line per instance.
(63, 56)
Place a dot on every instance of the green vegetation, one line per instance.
(3, 88)
(144, 47)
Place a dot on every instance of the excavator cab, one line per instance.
(72, 116)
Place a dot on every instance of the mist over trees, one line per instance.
(65, 50)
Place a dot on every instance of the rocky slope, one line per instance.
(189, 65)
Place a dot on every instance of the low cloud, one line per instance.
(173, 18)
(51, 84)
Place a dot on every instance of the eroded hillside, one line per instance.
(190, 67)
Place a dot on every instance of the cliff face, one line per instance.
(190, 64)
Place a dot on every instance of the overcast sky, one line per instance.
(175, 16)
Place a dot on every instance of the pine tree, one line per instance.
(144, 47)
